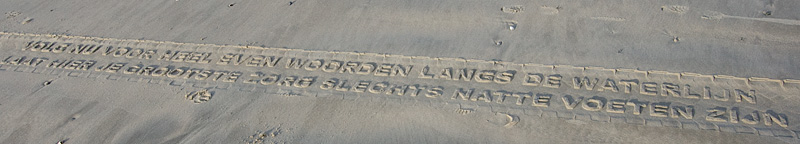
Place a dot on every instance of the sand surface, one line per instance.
(361, 71)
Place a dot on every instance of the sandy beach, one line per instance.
(362, 71)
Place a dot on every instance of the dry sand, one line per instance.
(358, 71)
